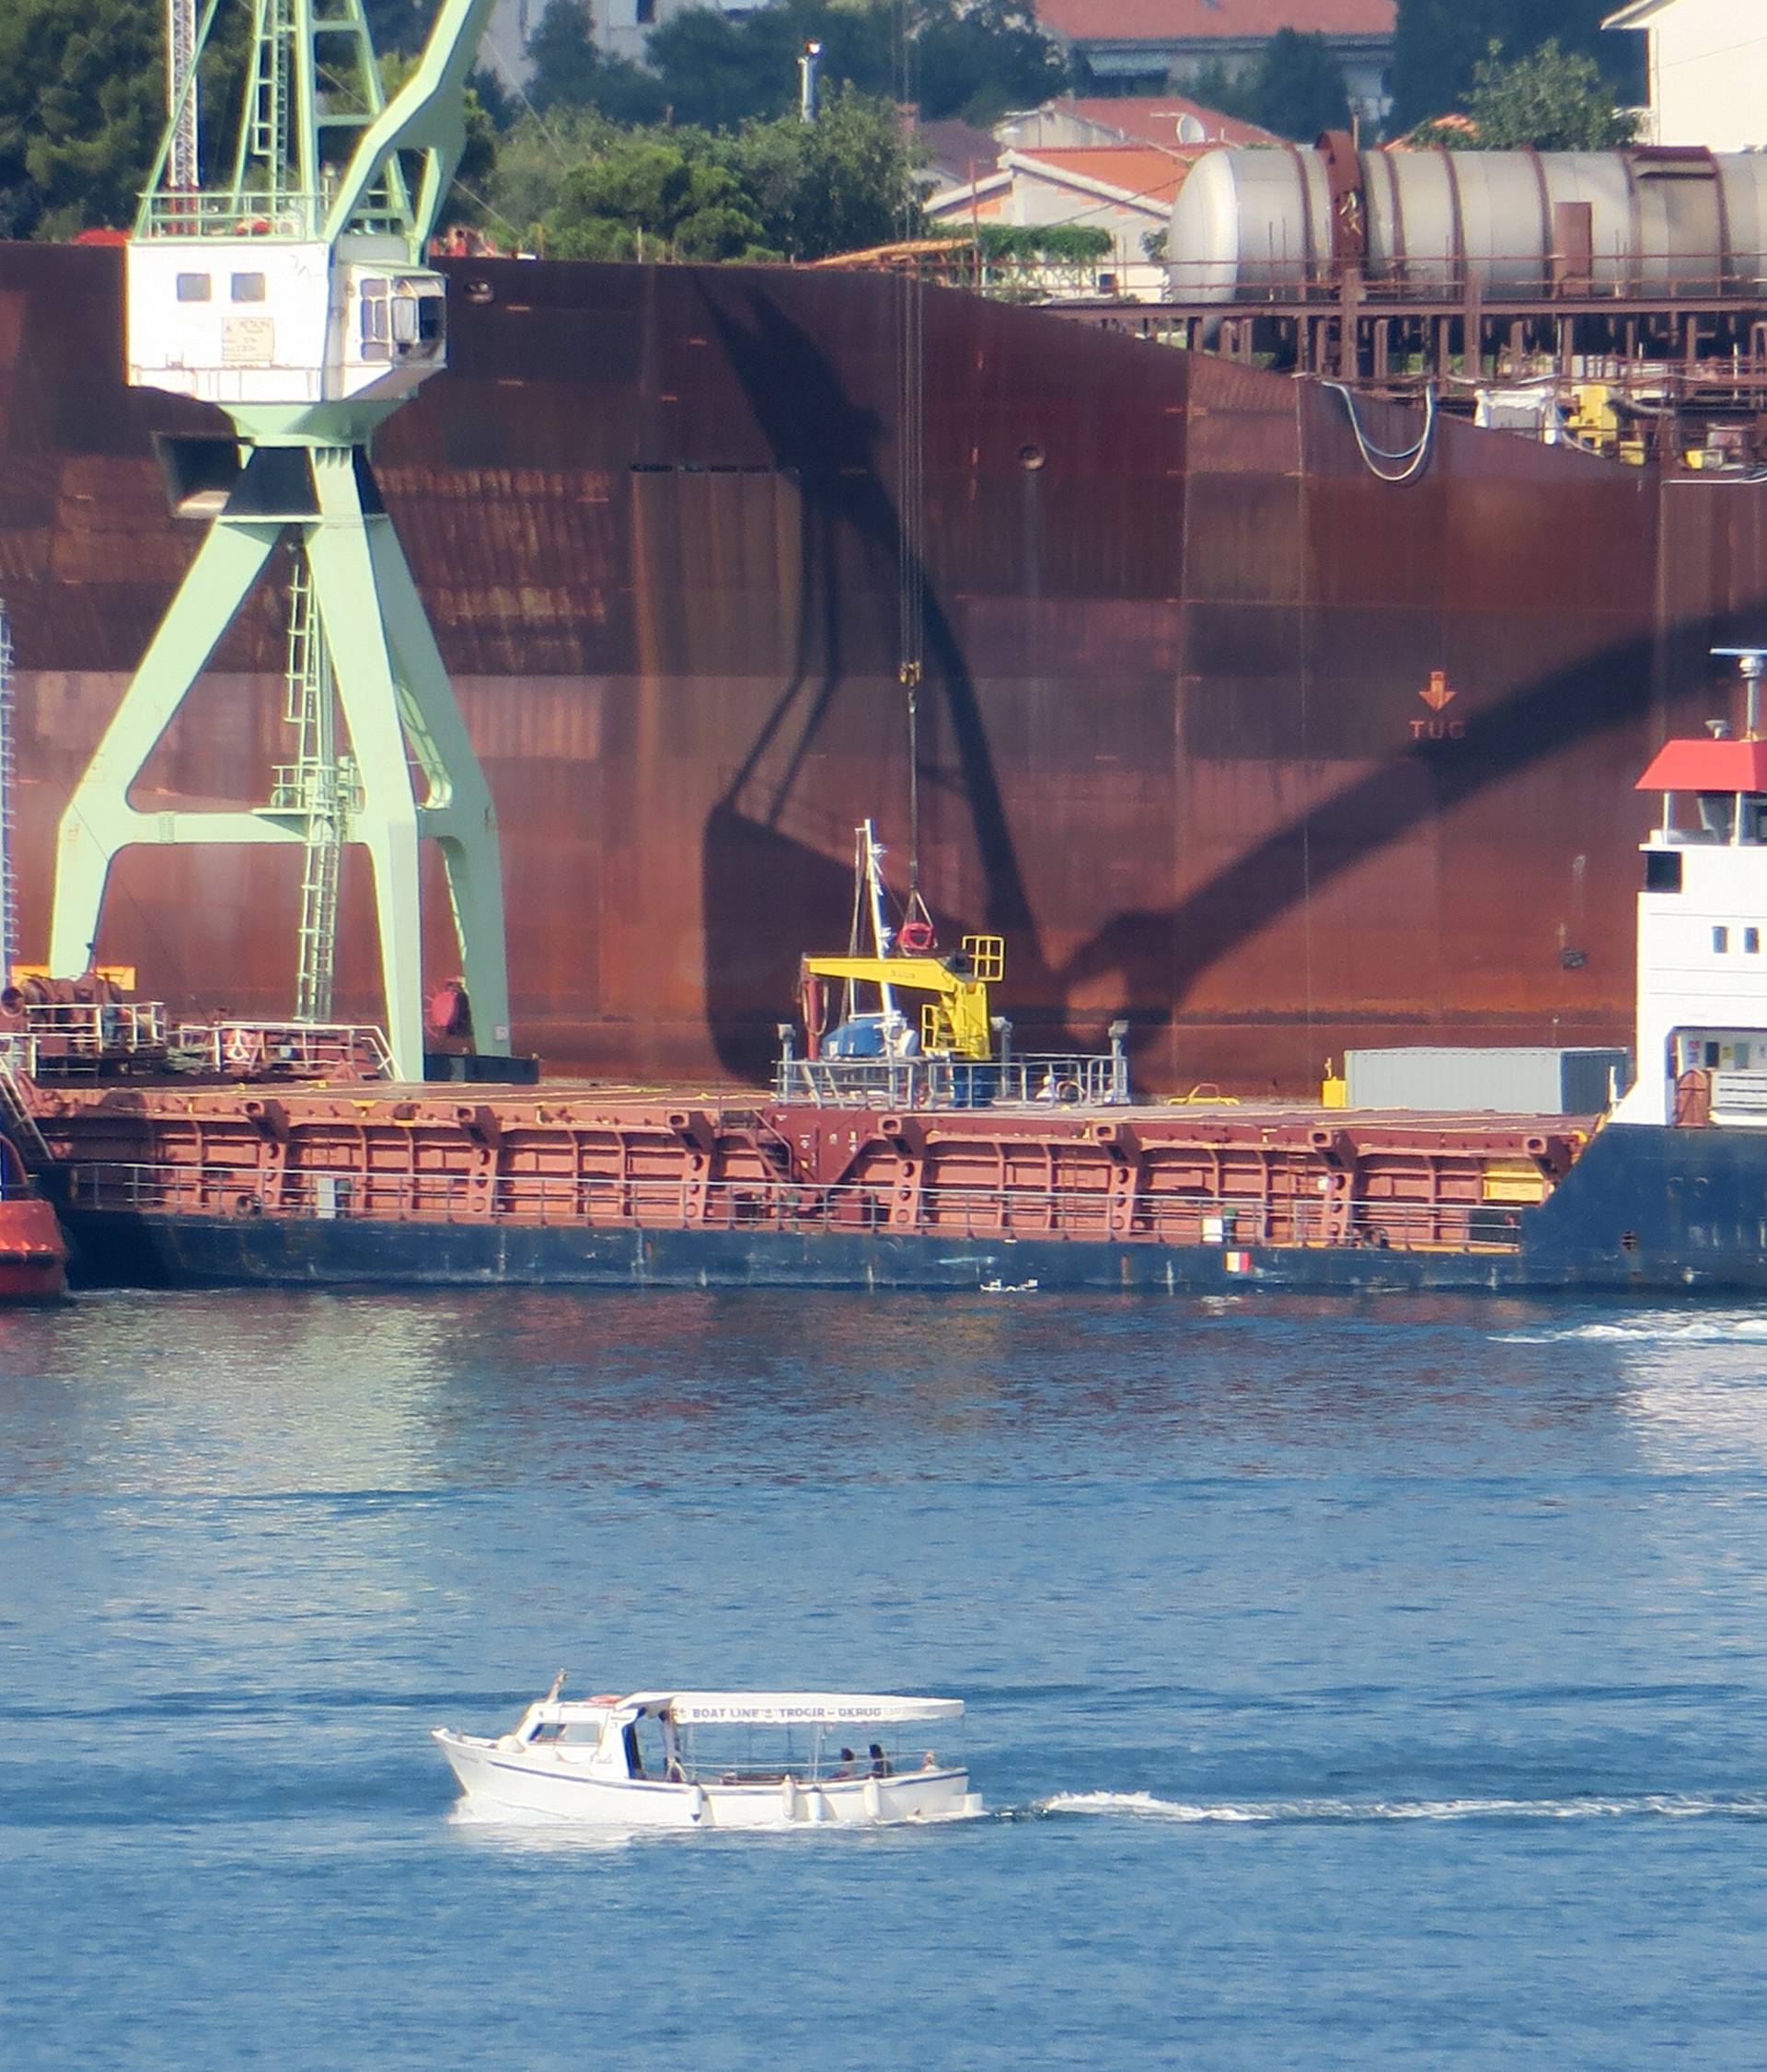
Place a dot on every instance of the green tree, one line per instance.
(1552, 99)
(838, 184)
(974, 57)
(1297, 87)
(720, 73)
(648, 194)
(571, 71)
(1438, 45)
(577, 187)
(81, 112)
(979, 59)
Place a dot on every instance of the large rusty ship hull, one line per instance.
(1222, 730)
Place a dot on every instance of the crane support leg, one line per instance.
(393, 687)
(99, 819)
(458, 813)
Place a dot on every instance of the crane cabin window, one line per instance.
(377, 329)
(247, 287)
(192, 287)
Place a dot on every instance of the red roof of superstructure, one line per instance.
(1707, 766)
(1135, 21)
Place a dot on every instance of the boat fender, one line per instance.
(815, 1804)
(874, 1800)
(789, 1798)
(697, 1804)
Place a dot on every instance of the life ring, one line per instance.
(241, 1047)
(914, 938)
(248, 1205)
(1069, 1091)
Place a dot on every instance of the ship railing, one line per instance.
(609, 1204)
(1739, 1097)
(271, 211)
(353, 1050)
(94, 1029)
(1062, 1078)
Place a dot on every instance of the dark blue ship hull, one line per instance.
(1644, 1209)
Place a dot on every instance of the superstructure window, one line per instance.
(1720, 940)
(192, 287)
(376, 328)
(247, 287)
(1752, 941)
(1662, 870)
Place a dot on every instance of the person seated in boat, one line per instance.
(881, 1765)
(844, 1768)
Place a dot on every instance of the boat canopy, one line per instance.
(792, 1708)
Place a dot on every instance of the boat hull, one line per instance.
(1644, 1209)
(547, 1784)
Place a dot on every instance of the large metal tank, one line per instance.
(1260, 225)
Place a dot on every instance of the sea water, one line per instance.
(1349, 1684)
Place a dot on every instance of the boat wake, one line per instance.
(1144, 1805)
(1715, 1327)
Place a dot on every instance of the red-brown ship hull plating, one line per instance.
(1175, 737)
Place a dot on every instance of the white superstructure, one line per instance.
(263, 319)
(1701, 1025)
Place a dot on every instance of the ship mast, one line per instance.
(290, 288)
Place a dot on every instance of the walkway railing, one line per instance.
(1086, 1078)
(983, 1214)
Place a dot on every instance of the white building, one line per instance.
(1707, 68)
(1126, 191)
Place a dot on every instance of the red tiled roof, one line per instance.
(1156, 121)
(1137, 168)
(1160, 21)
(1707, 766)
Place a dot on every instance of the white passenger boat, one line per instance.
(714, 1759)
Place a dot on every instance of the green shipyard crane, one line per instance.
(290, 287)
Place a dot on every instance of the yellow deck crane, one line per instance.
(955, 1022)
